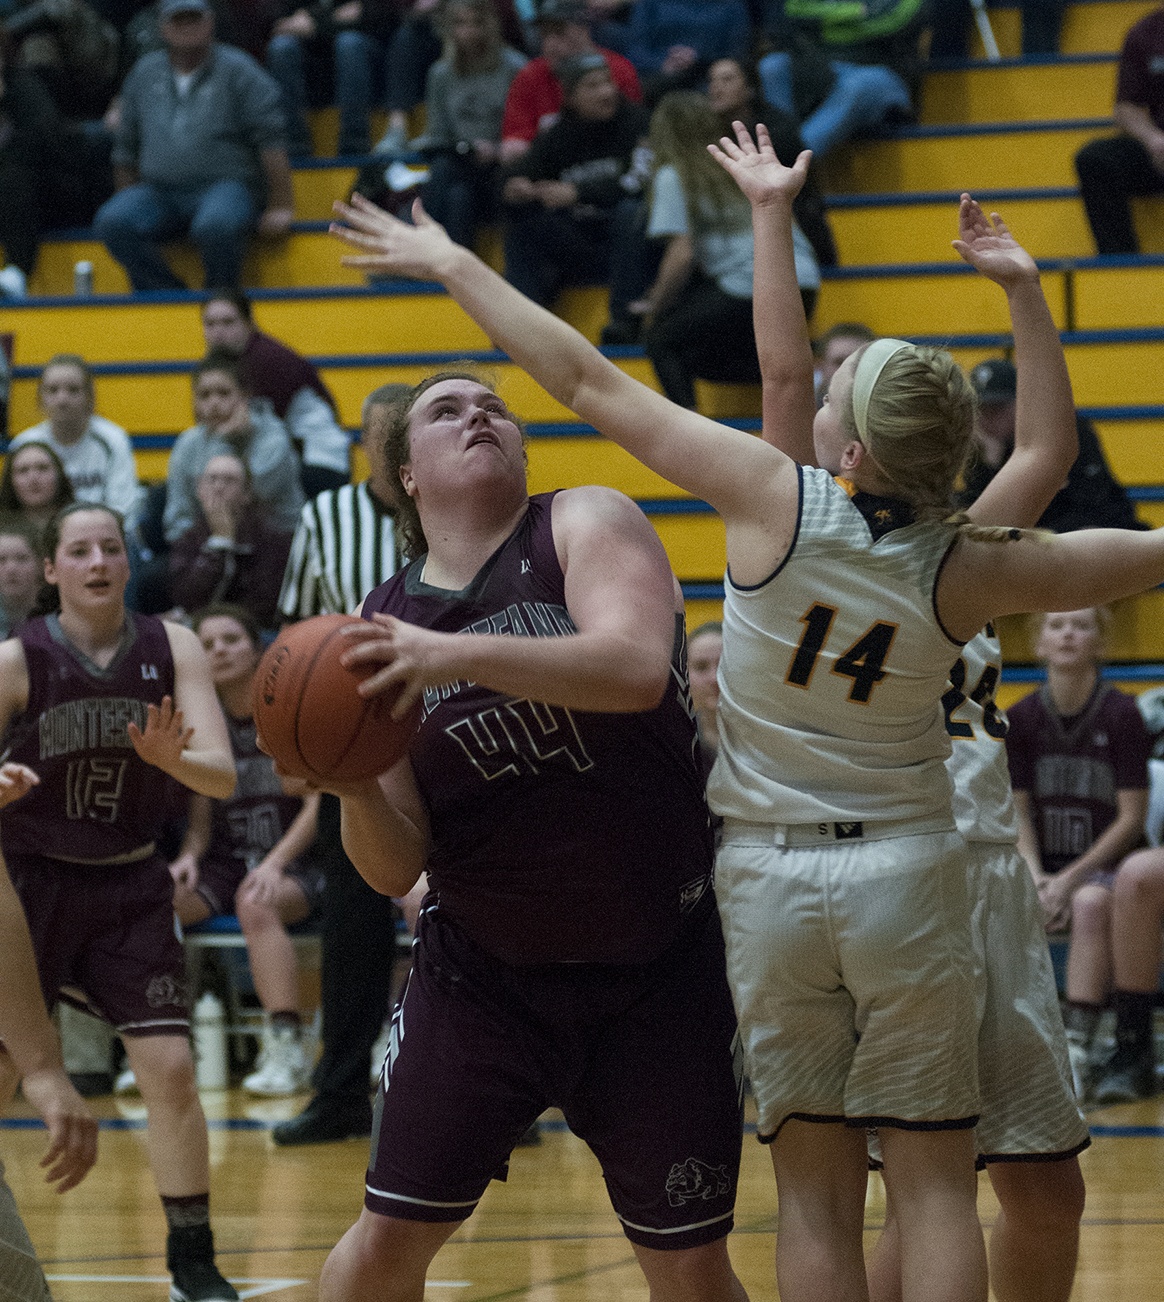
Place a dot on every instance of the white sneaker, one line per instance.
(1078, 1052)
(13, 282)
(126, 1082)
(392, 143)
(282, 1068)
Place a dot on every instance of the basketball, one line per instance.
(311, 719)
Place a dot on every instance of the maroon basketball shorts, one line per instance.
(643, 1061)
(219, 879)
(107, 931)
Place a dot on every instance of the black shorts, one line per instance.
(107, 933)
(219, 880)
(644, 1062)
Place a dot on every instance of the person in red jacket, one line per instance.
(535, 97)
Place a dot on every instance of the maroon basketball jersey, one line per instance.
(1073, 768)
(557, 835)
(96, 799)
(249, 823)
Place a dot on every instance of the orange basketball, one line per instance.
(309, 716)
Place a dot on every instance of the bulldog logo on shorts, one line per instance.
(164, 992)
(695, 1179)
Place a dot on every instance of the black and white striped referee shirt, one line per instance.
(344, 546)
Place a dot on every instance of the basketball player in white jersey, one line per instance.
(1031, 1130)
(842, 881)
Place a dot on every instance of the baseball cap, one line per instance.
(994, 380)
(561, 11)
(170, 8)
(571, 71)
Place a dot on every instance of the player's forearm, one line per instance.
(1136, 121)
(207, 772)
(1045, 411)
(782, 342)
(299, 837)
(600, 671)
(387, 848)
(1105, 852)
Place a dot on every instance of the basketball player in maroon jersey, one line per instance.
(568, 950)
(100, 709)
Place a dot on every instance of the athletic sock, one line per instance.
(1133, 1024)
(1080, 1020)
(187, 1212)
(286, 1019)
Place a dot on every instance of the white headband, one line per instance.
(869, 368)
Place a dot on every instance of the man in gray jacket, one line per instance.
(200, 150)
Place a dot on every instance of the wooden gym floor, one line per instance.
(547, 1235)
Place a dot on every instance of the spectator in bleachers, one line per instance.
(231, 553)
(704, 648)
(97, 454)
(249, 854)
(43, 176)
(535, 97)
(733, 87)
(836, 344)
(230, 420)
(344, 547)
(360, 35)
(572, 201)
(464, 103)
(289, 382)
(21, 573)
(1137, 916)
(672, 43)
(72, 49)
(200, 150)
(1114, 169)
(950, 22)
(1091, 498)
(1078, 754)
(699, 309)
(840, 72)
(34, 485)
(299, 55)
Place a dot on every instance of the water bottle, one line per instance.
(210, 1069)
(82, 279)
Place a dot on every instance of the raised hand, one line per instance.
(988, 246)
(165, 737)
(754, 167)
(389, 244)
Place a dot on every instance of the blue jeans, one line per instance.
(286, 58)
(218, 218)
(862, 96)
(361, 66)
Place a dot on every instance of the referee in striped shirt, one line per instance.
(345, 545)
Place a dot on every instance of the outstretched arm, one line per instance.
(984, 579)
(786, 370)
(1046, 441)
(721, 465)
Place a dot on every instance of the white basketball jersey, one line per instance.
(983, 801)
(832, 671)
